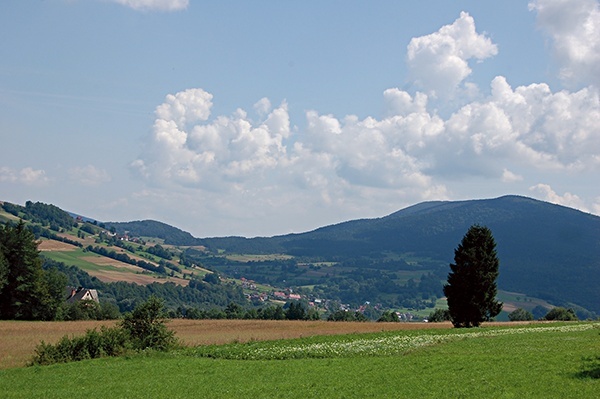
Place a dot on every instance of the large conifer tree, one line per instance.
(26, 291)
(471, 289)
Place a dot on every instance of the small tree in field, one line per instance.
(471, 288)
(146, 326)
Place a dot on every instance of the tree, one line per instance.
(146, 326)
(388, 316)
(234, 311)
(439, 315)
(3, 270)
(296, 311)
(520, 314)
(562, 314)
(26, 292)
(471, 287)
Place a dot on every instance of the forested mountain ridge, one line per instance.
(545, 250)
(152, 228)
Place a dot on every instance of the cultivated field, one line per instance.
(551, 360)
(18, 339)
(106, 269)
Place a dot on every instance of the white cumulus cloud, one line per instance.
(439, 62)
(27, 176)
(575, 30)
(567, 199)
(224, 150)
(247, 168)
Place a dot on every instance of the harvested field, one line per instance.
(52, 245)
(126, 272)
(19, 338)
(206, 332)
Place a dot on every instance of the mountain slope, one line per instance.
(545, 250)
(152, 228)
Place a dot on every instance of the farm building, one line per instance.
(82, 294)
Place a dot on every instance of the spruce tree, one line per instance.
(471, 289)
(26, 292)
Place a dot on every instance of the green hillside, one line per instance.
(545, 250)
(399, 261)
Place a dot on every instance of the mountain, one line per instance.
(151, 228)
(545, 250)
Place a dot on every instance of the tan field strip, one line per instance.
(52, 245)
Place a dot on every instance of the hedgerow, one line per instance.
(142, 329)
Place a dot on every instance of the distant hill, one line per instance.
(151, 228)
(545, 250)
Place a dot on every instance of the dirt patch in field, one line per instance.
(53, 245)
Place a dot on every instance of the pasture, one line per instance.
(511, 361)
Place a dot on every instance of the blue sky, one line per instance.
(270, 117)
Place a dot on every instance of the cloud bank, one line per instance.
(261, 165)
(574, 27)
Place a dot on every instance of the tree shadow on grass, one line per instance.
(590, 368)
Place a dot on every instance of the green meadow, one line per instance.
(531, 361)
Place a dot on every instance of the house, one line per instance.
(82, 294)
(280, 295)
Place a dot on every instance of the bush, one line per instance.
(439, 315)
(388, 316)
(520, 314)
(94, 344)
(146, 326)
(561, 314)
(141, 329)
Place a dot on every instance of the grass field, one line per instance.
(19, 338)
(527, 361)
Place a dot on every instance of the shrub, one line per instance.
(94, 344)
(439, 315)
(520, 314)
(388, 316)
(146, 327)
(141, 329)
(562, 314)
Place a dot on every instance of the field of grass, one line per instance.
(19, 338)
(526, 361)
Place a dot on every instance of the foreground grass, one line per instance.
(554, 361)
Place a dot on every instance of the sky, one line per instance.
(260, 118)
